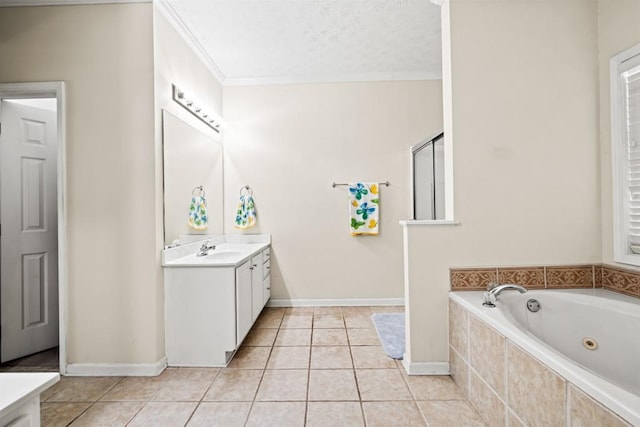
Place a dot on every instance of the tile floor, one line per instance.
(297, 367)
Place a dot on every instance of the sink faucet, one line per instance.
(493, 290)
(205, 248)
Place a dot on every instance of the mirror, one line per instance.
(190, 159)
(427, 165)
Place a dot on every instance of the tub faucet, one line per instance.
(493, 290)
(497, 290)
(205, 248)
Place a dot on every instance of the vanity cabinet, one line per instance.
(210, 309)
(200, 315)
(266, 275)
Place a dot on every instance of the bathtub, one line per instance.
(563, 333)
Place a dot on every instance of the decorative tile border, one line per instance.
(472, 279)
(570, 277)
(597, 275)
(620, 280)
(549, 277)
(531, 278)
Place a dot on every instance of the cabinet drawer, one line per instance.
(266, 268)
(266, 254)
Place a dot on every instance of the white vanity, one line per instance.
(212, 301)
(20, 397)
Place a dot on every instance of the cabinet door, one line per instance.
(243, 301)
(267, 289)
(256, 285)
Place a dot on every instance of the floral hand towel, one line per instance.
(364, 208)
(198, 219)
(246, 213)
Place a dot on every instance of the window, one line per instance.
(625, 141)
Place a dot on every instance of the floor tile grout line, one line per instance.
(306, 403)
(202, 397)
(355, 377)
(136, 414)
(264, 370)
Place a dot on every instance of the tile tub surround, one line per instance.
(509, 386)
(613, 278)
(305, 366)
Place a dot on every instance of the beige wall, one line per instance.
(290, 142)
(104, 55)
(618, 30)
(525, 152)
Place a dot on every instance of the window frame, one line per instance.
(620, 64)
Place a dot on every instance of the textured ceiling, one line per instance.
(271, 41)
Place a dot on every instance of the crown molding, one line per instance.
(178, 24)
(338, 78)
(31, 3)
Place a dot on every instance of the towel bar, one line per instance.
(335, 184)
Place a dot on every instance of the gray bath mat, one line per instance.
(390, 327)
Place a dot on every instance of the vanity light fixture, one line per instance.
(211, 120)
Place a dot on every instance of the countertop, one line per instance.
(230, 251)
(17, 388)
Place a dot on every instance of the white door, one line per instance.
(28, 233)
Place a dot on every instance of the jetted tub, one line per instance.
(590, 337)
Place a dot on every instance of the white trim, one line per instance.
(447, 103)
(337, 78)
(426, 368)
(618, 157)
(117, 369)
(57, 90)
(366, 302)
(30, 3)
(429, 222)
(178, 24)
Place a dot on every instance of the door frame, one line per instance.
(54, 89)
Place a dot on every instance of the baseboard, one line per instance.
(116, 369)
(287, 302)
(426, 368)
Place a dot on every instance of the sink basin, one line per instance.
(222, 255)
